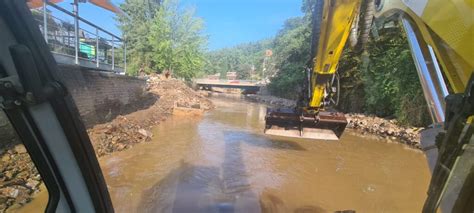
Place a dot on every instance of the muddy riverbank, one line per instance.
(365, 124)
(173, 97)
(19, 179)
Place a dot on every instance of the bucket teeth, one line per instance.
(290, 123)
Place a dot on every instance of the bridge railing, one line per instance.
(86, 43)
(225, 81)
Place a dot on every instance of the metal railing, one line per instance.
(226, 81)
(80, 39)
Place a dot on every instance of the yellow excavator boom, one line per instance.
(440, 34)
(336, 20)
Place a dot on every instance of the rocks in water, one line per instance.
(19, 178)
(145, 133)
(32, 184)
(384, 127)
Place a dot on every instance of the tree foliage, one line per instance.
(292, 52)
(163, 37)
(135, 25)
(392, 86)
(177, 40)
(245, 59)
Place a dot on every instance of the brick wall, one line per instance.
(101, 96)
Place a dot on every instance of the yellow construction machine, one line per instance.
(332, 21)
(440, 33)
(441, 39)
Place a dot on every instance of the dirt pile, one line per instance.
(19, 180)
(125, 131)
(174, 92)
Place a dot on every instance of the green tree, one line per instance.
(177, 41)
(245, 59)
(392, 86)
(135, 26)
(161, 36)
(292, 52)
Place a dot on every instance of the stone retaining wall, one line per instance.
(101, 96)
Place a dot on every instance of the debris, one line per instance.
(20, 149)
(387, 128)
(127, 130)
(5, 157)
(32, 184)
(10, 192)
(145, 133)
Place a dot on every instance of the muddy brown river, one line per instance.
(222, 162)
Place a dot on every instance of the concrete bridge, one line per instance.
(248, 86)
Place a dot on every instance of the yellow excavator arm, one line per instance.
(440, 34)
(332, 20)
(336, 19)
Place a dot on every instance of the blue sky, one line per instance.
(227, 22)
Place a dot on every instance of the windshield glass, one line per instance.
(262, 106)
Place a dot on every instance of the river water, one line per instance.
(222, 162)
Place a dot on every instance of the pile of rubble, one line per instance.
(387, 128)
(125, 131)
(19, 179)
(174, 92)
(119, 134)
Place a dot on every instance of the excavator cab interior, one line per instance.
(41, 109)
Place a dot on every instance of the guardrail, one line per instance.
(80, 39)
(225, 81)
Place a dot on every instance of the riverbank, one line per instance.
(174, 97)
(20, 181)
(365, 124)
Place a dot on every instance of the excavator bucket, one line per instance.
(290, 123)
